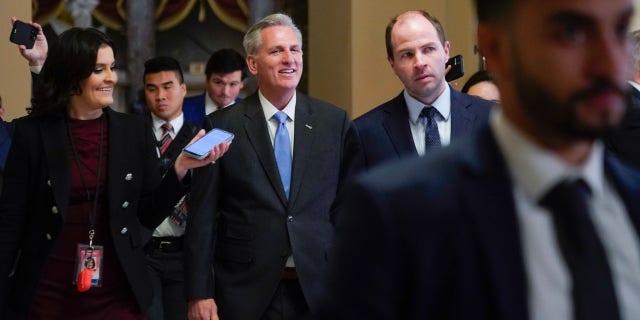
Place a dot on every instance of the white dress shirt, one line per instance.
(443, 105)
(211, 106)
(534, 172)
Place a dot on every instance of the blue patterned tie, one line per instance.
(432, 136)
(282, 150)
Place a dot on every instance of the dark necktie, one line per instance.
(431, 134)
(166, 139)
(282, 150)
(179, 214)
(593, 292)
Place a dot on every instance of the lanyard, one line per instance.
(76, 157)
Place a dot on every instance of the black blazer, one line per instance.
(240, 220)
(440, 244)
(625, 139)
(385, 135)
(34, 203)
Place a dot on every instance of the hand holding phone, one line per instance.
(200, 148)
(23, 34)
(457, 68)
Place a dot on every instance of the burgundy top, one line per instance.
(57, 296)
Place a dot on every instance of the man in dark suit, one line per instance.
(261, 217)
(164, 90)
(530, 219)
(624, 140)
(225, 72)
(417, 52)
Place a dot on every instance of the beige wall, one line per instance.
(15, 80)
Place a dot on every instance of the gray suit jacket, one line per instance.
(241, 222)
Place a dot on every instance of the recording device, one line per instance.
(457, 68)
(23, 33)
(200, 148)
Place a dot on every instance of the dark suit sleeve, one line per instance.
(13, 208)
(364, 272)
(200, 231)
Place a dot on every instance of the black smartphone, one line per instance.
(23, 33)
(457, 68)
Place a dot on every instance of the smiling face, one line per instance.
(97, 89)
(419, 57)
(164, 94)
(562, 66)
(277, 64)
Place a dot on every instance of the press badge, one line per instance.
(88, 267)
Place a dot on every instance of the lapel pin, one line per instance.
(308, 126)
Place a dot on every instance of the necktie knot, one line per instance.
(166, 127)
(281, 117)
(429, 112)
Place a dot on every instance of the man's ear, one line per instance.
(251, 65)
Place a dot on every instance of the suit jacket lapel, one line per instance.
(627, 184)
(397, 126)
(183, 137)
(303, 144)
(488, 192)
(258, 135)
(461, 119)
(57, 156)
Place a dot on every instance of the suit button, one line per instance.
(290, 218)
(124, 230)
(48, 236)
(128, 177)
(125, 204)
(54, 210)
(49, 182)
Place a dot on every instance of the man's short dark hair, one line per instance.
(159, 64)
(226, 61)
(493, 10)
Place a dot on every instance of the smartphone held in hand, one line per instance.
(200, 148)
(457, 68)
(23, 34)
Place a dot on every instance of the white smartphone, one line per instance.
(200, 148)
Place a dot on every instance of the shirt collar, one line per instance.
(536, 170)
(269, 109)
(176, 123)
(635, 85)
(442, 104)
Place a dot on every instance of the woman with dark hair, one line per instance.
(481, 84)
(81, 177)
